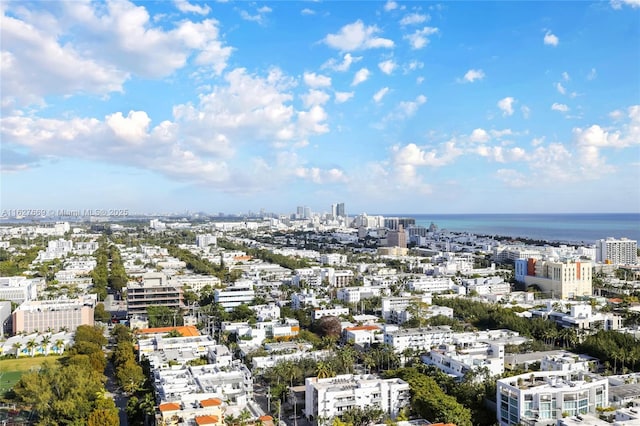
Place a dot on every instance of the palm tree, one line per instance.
(324, 370)
(230, 420)
(244, 417)
(59, 346)
(17, 346)
(31, 344)
(44, 344)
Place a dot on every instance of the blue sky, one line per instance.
(417, 107)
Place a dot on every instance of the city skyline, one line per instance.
(450, 107)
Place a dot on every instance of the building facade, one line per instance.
(542, 397)
(617, 252)
(330, 397)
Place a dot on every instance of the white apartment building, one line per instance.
(617, 252)
(311, 277)
(330, 397)
(564, 279)
(80, 265)
(363, 335)
(356, 294)
(542, 397)
(330, 312)
(160, 349)
(41, 315)
(236, 295)
(55, 249)
(205, 240)
(581, 317)
(195, 383)
(418, 339)
(430, 284)
(266, 312)
(85, 248)
(305, 298)
(457, 362)
(333, 259)
(567, 362)
(19, 289)
(195, 282)
(393, 306)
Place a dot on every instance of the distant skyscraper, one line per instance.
(340, 210)
(622, 251)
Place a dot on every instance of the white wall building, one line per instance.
(430, 284)
(19, 289)
(330, 397)
(542, 397)
(230, 297)
(457, 362)
(330, 312)
(617, 252)
(418, 339)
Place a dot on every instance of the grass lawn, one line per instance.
(12, 369)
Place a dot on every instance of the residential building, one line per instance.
(563, 279)
(418, 339)
(330, 312)
(538, 398)
(355, 294)
(236, 295)
(152, 289)
(430, 284)
(580, 317)
(41, 315)
(330, 397)
(458, 362)
(617, 251)
(19, 289)
(397, 238)
(205, 240)
(392, 307)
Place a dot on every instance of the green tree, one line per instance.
(101, 314)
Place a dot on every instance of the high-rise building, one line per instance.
(566, 280)
(622, 251)
(340, 212)
(397, 238)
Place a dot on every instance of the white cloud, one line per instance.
(617, 4)
(342, 97)
(560, 88)
(412, 66)
(413, 155)
(312, 79)
(473, 75)
(526, 111)
(361, 76)
(185, 7)
(551, 39)
(259, 17)
(506, 105)
(512, 178)
(387, 66)
(380, 94)
(479, 135)
(419, 38)
(592, 74)
(307, 11)
(315, 97)
(419, 80)
(132, 128)
(500, 133)
(201, 144)
(102, 46)
(559, 107)
(347, 60)
(320, 176)
(390, 5)
(409, 108)
(414, 18)
(357, 36)
(626, 134)
(565, 76)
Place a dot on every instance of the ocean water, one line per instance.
(571, 228)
